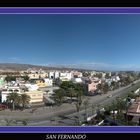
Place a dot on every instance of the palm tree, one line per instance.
(120, 105)
(113, 84)
(60, 95)
(78, 106)
(18, 101)
(71, 92)
(113, 109)
(127, 104)
(13, 98)
(92, 109)
(105, 88)
(86, 103)
(107, 76)
(25, 99)
(100, 88)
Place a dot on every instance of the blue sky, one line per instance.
(102, 42)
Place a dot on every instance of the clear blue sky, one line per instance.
(108, 42)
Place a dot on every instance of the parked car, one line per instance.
(2, 107)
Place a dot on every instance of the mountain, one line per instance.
(20, 67)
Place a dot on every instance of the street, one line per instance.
(65, 114)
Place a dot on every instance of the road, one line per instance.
(65, 114)
(68, 117)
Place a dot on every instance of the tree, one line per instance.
(113, 109)
(120, 105)
(71, 92)
(86, 103)
(99, 75)
(59, 95)
(92, 109)
(10, 78)
(100, 88)
(131, 95)
(67, 84)
(127, 80)
(26, 77)
(25, 99)
(13, 98)
(105, 88)
(114, 85)
(78, 106)
(127, 104)
(86, 74)
(79, 103)
(107, 76)
(79, 89)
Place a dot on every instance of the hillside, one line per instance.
(20, 67)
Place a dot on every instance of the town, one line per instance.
(69, 97)
(69, 70)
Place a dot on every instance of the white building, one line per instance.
(65, 76)
(31, 87)
(6, 90)
(48, 82)
(115, 78)
(51, 74)
(56, 74)
(77, 80)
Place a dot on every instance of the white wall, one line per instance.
(3, 97)
(49, 82)
(57, 74)
(51, 74)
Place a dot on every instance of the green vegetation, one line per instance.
(69, 89)
(26, 77)
(103, 88)
(10, 78)
(16, 100)
(86, 74)
(59, 96)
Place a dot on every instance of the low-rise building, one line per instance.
(77, 80)
(51, 74)
(9, 89)
(65, 76)
(42, 82)
(35, 96)
(92, 86)
(48, 82)
(37, 75)
(115, 78)
(77, 74)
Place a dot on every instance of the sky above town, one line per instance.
(94, 41)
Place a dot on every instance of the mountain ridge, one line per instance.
(20, 67)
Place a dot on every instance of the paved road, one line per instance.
(65, 114)
(69, 116)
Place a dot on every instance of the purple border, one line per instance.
(70, 10)
(70, 129)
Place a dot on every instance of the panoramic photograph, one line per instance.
(69, 70)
